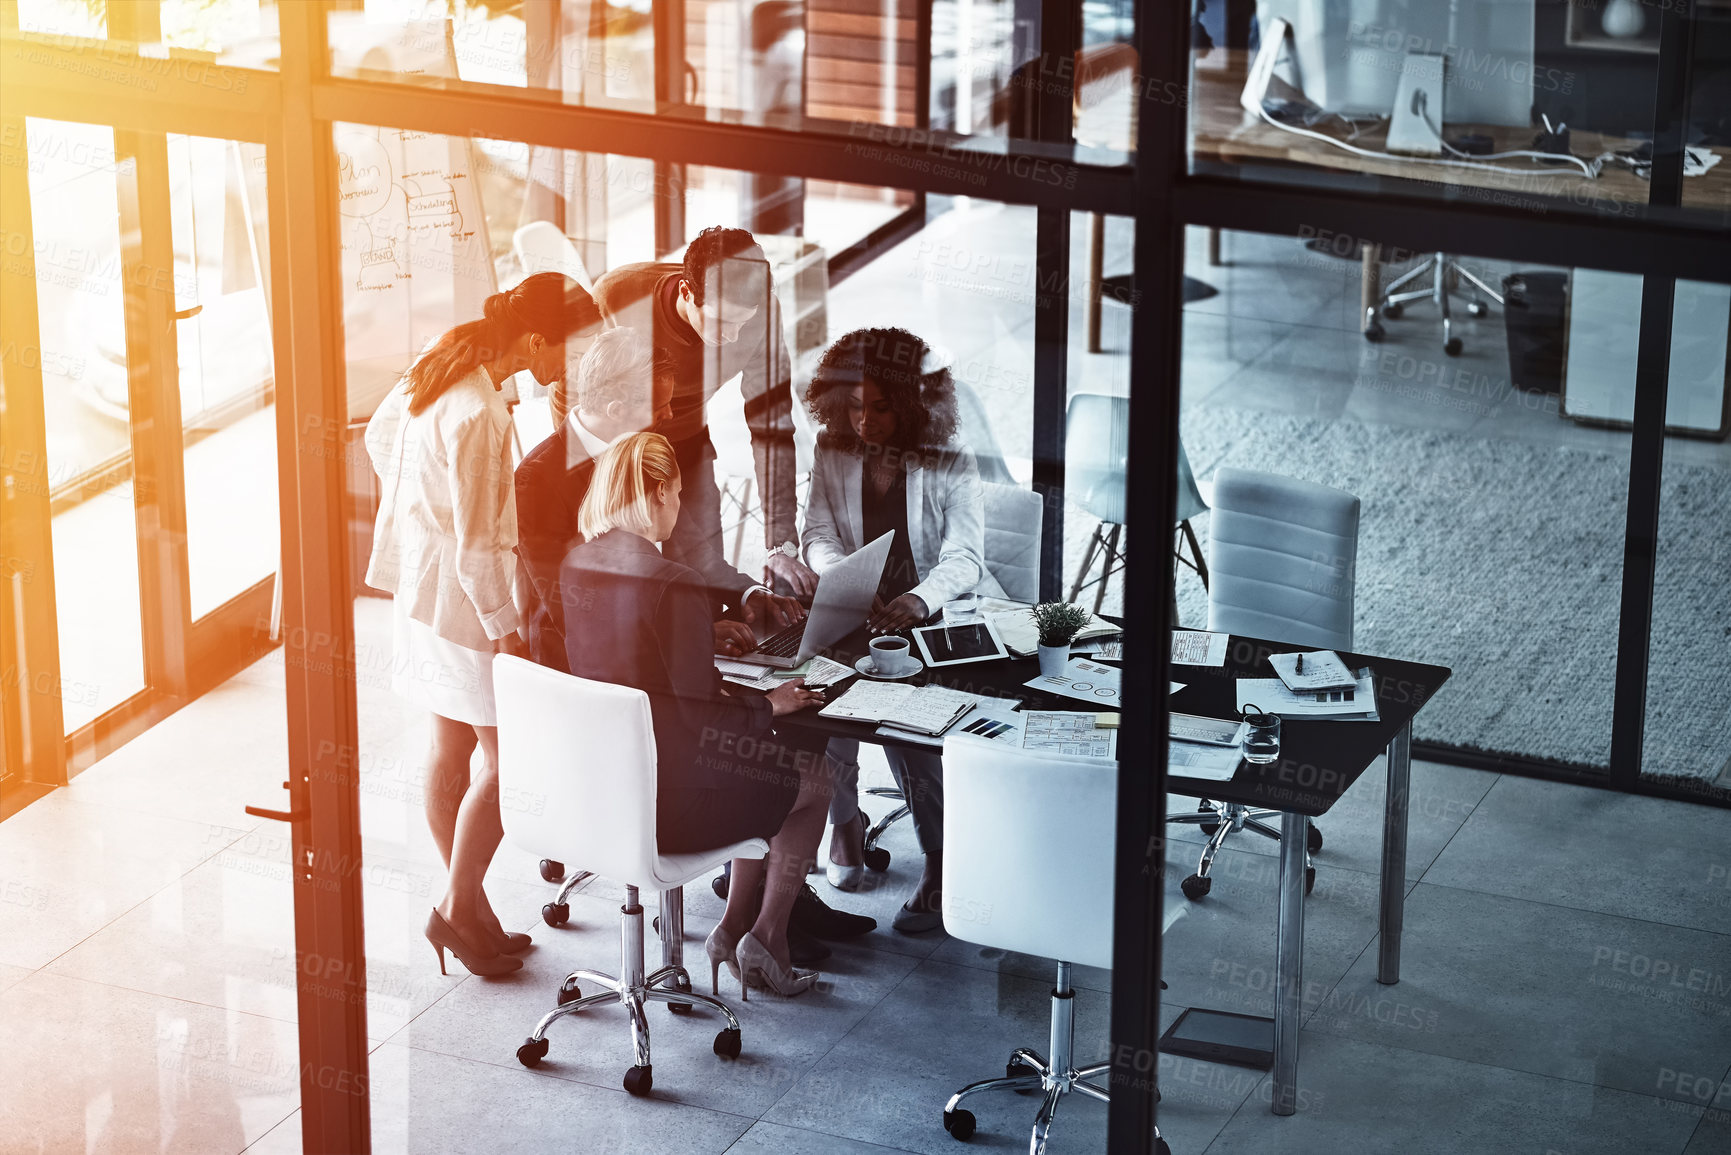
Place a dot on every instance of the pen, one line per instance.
(1300, 663)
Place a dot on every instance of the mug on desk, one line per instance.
(890, 657)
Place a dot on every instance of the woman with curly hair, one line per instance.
(888, 462)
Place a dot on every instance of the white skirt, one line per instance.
(438, 675)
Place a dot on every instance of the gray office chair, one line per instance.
(1283, 554)
(1013, 529)
(1096, 461)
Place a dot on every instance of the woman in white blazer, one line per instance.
(442, 547)
(888, 461)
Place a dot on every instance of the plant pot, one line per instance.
(1053, 659)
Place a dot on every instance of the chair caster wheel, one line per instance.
(1477, 309)
(1452, 346)
(719, 885)
(532, 1052)
(1374, 332)
(1015, 1069)
(569, 993)
(1309, 879)
(1392, 312)
(1161, 1148)
(959, 1123)
(727, 1043)
(552, 871)
(877, 859)
(556, 913)
(655, 924)
(1208, 828)
(1196, 886)
(638, 1081)
(1313, 839)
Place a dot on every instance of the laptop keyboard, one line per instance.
(784, 644)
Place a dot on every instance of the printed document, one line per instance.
(1063, 732)
(1198, 648)
(1194, 760)
(1089, 681)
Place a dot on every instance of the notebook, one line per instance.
(928, 710)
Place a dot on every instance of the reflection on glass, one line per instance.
(1493, 497)
(216, 190)
(1688, 727)
(1489, 101)
(235, 33)
(74, 212)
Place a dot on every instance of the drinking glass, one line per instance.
(1262, 744)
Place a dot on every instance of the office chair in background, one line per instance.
(1029, 838)
(602, 807)
(1284, 555)
(1096, 464)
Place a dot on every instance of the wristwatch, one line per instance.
(787, 548)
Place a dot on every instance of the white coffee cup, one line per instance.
(890, 656)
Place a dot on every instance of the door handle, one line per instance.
(183, 314)
(289, 815)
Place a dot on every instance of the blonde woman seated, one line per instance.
(888, 462)
(634, 618)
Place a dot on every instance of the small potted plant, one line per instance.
(1058, 624)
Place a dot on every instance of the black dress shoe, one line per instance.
(813, 917)
(804, 950)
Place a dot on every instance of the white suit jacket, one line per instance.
(946, 518)
(447, 521)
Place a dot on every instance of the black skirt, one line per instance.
(759, 779)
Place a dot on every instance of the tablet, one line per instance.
(954, 645)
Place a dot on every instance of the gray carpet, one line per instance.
(1503, 561)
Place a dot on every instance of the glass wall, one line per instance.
(896, 1013)
(1494, 496)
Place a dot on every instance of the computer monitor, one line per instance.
(1350, 53)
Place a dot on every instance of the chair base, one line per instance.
(1440, 267)
(1027, 1071)
(1227, 818)
(1103, 543)
(633, 989)
(876, 858)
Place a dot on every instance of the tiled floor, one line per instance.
(1566, 983)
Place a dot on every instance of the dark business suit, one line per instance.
(552, 480)
(634, 618)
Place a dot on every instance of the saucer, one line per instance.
(866, 669)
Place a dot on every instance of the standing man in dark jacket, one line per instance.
(712, 318)
(621, 388)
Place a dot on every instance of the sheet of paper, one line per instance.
(868, 701)
(1064, 732)
(1174, 687)
(1355, 705)
(1198, 648)
(1193, 760)
(821, 671)
(1323, 670)
(1089, 681)
(1104, 651)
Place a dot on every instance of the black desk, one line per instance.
(1319, 761)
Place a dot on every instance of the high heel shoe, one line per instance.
(516, 943)
(720, 949)
(762, 971)
(443, 938)
(846, 877)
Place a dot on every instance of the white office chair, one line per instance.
(543, 247)
(1013, 529)
(1283, 554)
(586, 751)
(1096, 463)
(1001, 804)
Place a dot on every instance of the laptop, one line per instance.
(843, 599)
